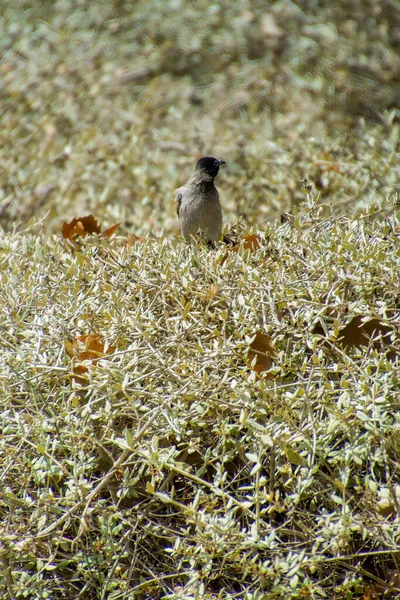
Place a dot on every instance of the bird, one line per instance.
(198, 205)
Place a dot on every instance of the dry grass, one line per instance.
(160, 464)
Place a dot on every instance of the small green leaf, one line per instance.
(293, 456)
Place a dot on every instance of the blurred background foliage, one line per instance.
(105, 106)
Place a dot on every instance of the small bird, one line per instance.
(198, 205)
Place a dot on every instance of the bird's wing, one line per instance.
(178, 196)
(178, 203)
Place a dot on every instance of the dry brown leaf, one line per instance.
(110, 230)
(209, 294)
(251, 242)
(359, 331)
(263, 349)
(86, 347)
(82, 226)
(248, 242)
(133, 239)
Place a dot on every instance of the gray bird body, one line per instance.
(198, 205)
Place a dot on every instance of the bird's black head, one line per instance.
(209, 165)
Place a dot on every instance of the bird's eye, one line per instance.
(216, 163)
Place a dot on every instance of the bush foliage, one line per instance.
(179, 422)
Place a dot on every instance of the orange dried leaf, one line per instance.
(80, 226)
(248, 242)
(90, 224)
(108, 232)
(133, 239)
(86, 347)
(251, 242)
(93, 345)
(263, 350)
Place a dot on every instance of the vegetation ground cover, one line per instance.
(149, 449)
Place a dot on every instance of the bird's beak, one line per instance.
(222, 162)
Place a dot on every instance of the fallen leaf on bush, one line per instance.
(82, 226)
(263, 350)
(248, 242)
(110, 230)
(359, 332)
(133, 239)
(86, 347)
